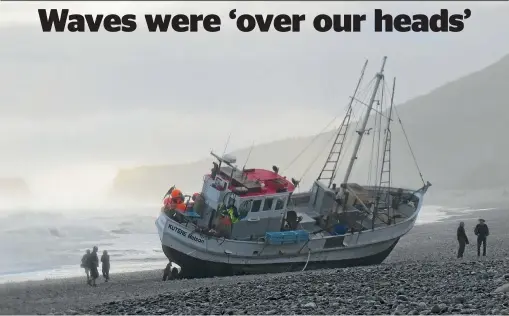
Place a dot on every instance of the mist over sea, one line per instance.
(49, 244)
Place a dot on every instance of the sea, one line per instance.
(45, 244)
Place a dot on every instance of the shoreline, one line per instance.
(426, 245)
(429, 214)
(70, 272)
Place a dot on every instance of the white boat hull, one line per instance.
(201, 255)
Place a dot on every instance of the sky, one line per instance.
(76, 107)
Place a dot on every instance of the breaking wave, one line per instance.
(40, 241)
(436, 213)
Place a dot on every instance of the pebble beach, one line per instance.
(421, 277)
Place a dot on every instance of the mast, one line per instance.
(361, 132)
(339, 140)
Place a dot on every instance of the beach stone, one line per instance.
(459, 299)
(402, 298)
(422, 305)
(435, 309)
(502, 289)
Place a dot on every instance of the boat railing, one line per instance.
(365, 209)
(372, 215)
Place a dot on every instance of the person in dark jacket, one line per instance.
(462, 239)
(105, 264)
(84, 264)
(93, 264)
(481, 231)
(170, 272)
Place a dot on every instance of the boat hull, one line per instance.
(205, 256)
(193, 267)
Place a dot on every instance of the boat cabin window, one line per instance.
(256, 205)
(280, 203)
(267, 206)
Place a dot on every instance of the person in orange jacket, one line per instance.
(177, 201)
(181, 207)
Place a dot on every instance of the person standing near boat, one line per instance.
(462, 239)
(105, 264)
(93, 264)
(84, 264)
(482, 232)
(170, 272)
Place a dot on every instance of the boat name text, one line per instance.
(185, 234)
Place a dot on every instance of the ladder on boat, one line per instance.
(329, 169)
(385, 171)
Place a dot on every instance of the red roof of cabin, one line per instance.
(270, 179)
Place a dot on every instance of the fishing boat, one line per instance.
(247, 221)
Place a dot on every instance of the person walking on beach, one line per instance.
(84, 264)
(462, 239)
(481, 231)
(93, 264)
(105, 263)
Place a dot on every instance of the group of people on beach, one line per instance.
(90, 262)
(481, 230)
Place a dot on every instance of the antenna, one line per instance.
(227, 142)
(248, 155)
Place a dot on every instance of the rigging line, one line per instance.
(363, 95)
(317, 135)
(376, 130)
(367, 96)
(379, 133)
(316, 157)
(309, 144)
(363, 144)
(358, 122)
(371, 156)
(309, 255)
(409, 146)
(386, 91)
(348, 140)
(370, 167)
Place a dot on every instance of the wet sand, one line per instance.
(426, 247)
